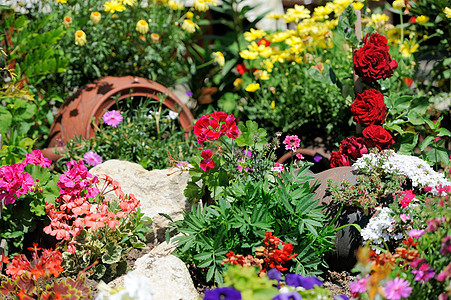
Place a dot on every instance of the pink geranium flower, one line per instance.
(92, 158)
(112, 118)
(292, 142)
(397, 288)
(207, 164)
(14, 182)
(36, 158)
(358, 286)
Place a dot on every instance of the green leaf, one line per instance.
(443, 132)
(427, 141)
(112, 254)
(6, 118)
(346, 25)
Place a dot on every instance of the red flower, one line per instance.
(369, 108)
(241, 68)
(209, 127)
(264, 41)
(378, 137)
(408, 81)
(338, 159)
(207, 164)
(353, 147)
(372, 61)
(413, 19)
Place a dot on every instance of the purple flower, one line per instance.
(416, 233)
(189, 93)
(433, 224)
(288, 296)
(222, 293)
(112, 118)
(92, 158)
(446, 245)
(397, 288)
(317, 158)
(341, 297)
(306, 282)
(424, 273)
(358, 286)
(274, 274)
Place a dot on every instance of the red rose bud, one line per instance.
(369, 108)
(377, 136)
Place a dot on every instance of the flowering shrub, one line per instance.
(94, 229)
(38, 279)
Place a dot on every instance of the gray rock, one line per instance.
(160, 191)
(170, 279)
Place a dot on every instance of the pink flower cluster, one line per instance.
(212, 126)
(405, 197)
(14, 182)
(71, 215)
(36, 158)
(292, 142)
(77, 181)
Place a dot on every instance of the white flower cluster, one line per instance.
(24, 6)
(136, 287)
(381, 228)
(417, 170)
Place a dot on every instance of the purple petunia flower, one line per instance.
(317, 158)
(416, 233)
(306, 282)
(288, 296)
(222, 293)
(274, 274)
(92, 158)
(397, 288)
(189, 93)
(112, 118)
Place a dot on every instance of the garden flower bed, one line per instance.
(188, 179)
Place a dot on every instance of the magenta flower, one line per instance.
(404, 217)
(397, 288)
(36, 158)
(292, 142)
(424, 273)
(14, 182)
(446, 273)
(278, 167)
(407, 196)
(358, 286)
(112, 118)
(77, 181)
(92, 158)
(446, 245)
(206, 164)
(416, 233)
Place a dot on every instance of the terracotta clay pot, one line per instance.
(94, 99)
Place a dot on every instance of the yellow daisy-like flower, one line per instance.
(422, 19)
(219, 58)
(379, 19)
(278, 37)
(238, 83)
(398, 4)
(261, 74)
(142, 27)
(129, 2)
(254, 34)
(447, 12)
(408, 47)
(67, 21)
(323, 12)
(189, 26)
(296, 13)
(113, 6)
(80, 38)
(357, 5)
(268, 65)
(246, 54)
(340, 6)
(252, 87)
(175, 5)
(274, 16)
(200, 5)
(95, 17)
(155, 37)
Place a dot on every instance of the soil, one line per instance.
(338, 282)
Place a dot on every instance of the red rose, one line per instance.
(338, 159)
(372, 61)
(241, 68)
(378, 137)
(353, 147)
(369, 108)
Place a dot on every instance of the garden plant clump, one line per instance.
(365, 84)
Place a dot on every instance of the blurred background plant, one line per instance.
(146, 132)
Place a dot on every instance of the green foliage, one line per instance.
(148, 135)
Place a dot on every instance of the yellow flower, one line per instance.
(280, 36)
(254, 34)
(200, 5)
(67, 21)
(296, 13)
(95, 17)
(189, 15)
(267, 65)
(61, 1)
(80, 38)
(447, 12)
(273, 104)
(246, 54)
(422, 19)
(252, 87)
(274, 16)
(189, 26)
(261, 74)
(174, 5)
(358, 5)
(128, 2)
(238, 83)
(142, 27)
(340, 6)
(323, 12)
(379, 19)
(113, 6)
(219, 58)
(155, 37)
(408, 47)
(398, 4)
